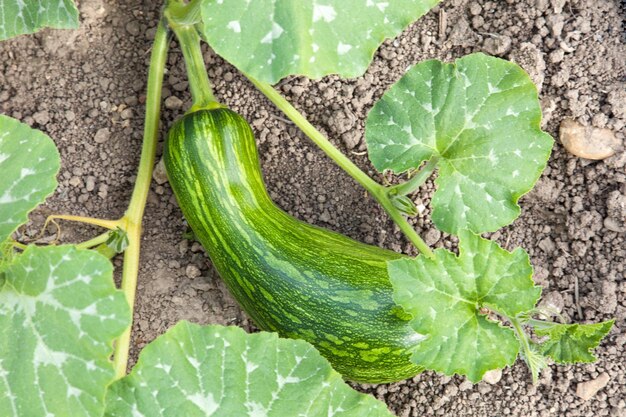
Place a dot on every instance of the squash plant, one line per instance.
(374, 315)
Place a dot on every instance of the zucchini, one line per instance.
(290, 277)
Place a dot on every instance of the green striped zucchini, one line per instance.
(290, 277)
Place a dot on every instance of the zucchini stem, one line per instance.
(379, 192)
(199, 84)
(132, 219)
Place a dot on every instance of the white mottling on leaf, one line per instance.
(205, 402)
(323, 12)
(343, 48)
(273, 34)
(234, 26)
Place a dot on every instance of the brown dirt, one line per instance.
(74, 84)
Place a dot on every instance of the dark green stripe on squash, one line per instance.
(290, 277)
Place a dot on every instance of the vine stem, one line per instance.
(131, 222)
(379, 192)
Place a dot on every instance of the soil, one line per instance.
(85, 88)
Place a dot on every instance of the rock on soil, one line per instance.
(586, 390)
(587, 141)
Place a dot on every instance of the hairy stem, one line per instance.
(136, 207)
(379, 192)
(534, 361)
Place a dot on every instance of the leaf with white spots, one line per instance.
(18, 17)
(448, 297)
(271, 39)
(572, 343)
(59, 314)
(480, 118)
(201, 371)
(29, 163)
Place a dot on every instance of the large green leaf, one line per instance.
(18, 17)
(445, 296)
(217, 371)
(481, 119)
(59, 314)
(29, 163)
(572, 343)
(271, 39)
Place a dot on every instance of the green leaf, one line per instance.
(271, 39)
(573, 343)
(118, 240)
(29, 163)
(18, 17)
(445, 296)
(222, 371)
(59, 314)
(481, 119)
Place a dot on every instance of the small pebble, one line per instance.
(159, 174)
(192, 271)
(133, 28)
(493, 377)
(173, 103)
(587, 141)
(497, 45)
(75, 181)
(42, 117)
(90, 184)
(127, 114)
(586, 390)
(614, 225)
(102, 135)
(465, 385)
(475, 9)
(432, 236)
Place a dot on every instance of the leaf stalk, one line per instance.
(417, 180)
(379, 192)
